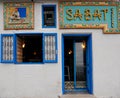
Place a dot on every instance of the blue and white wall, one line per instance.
(45, 80)
(30, 80)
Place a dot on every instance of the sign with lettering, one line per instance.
(103, 15)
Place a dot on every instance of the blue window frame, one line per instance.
(49, 16)
(7, 48)
(29, 48)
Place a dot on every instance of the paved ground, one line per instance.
(77, 96)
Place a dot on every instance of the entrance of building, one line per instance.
(77, 63)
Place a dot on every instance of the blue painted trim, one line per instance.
(56, 59)
(63, 80)
(90, 57)
(0, 48)
(91, 67)
(55, 19)
(14, 47)
(81, 35)
(87, 64)
(42, 16)
(28, 33)
(56, 38)
(6, 61)
(30, 63)
(43, 47)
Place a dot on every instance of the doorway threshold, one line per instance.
(80, 95)
(76, 92)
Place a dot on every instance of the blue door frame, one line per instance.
(88, 59)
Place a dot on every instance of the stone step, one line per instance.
(77, 96)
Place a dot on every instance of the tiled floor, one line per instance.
(69, 85)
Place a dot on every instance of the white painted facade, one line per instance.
(45, 80)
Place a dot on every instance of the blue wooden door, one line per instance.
(89, 64)
(81, 70)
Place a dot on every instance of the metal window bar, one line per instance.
(7, 48)
(50, 50)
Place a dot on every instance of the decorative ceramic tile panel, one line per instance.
(18, 16)
(90, 15)
(119, 16)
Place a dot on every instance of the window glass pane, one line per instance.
(7, 48)
(49, 16)
(80, 65)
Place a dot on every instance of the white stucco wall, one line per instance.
(30, 80)
(106, 65)
(45, 80)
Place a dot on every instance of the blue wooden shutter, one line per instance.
(50, 48)
(7, 48)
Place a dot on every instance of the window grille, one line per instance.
(7, 48)
(50, 48)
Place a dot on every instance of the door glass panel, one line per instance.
(80, 68)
